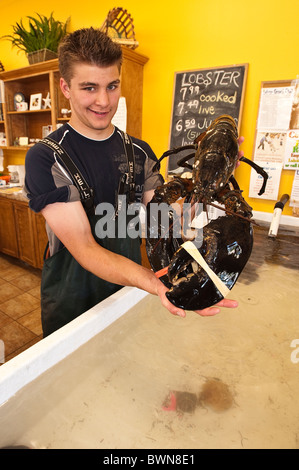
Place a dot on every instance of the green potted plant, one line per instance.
(40, 40)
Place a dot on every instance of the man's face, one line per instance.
(93, 93)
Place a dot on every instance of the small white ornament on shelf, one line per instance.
(47, 102)
(65, 112)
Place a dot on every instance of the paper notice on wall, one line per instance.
(272, 187)
(275, 108)
(291, 159)
(270, 147)
(294, 199)
(120, 118)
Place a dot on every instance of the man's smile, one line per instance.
(99, 113)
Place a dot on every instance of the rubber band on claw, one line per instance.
(161, 272)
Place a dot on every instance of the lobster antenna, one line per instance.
(259, 170)
(233, 213)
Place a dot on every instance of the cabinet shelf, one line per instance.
(29, 111)
(17, 148)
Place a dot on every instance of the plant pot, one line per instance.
(41, 56)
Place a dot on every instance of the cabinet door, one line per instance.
(41, 238)
(23, 219)
(8, 236)
(132, 89)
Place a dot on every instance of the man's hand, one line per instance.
(207, 312)
(240, 153)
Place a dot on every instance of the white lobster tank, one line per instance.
(101, 381)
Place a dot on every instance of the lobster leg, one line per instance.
(183, 161)
(173, 152)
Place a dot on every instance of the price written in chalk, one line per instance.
(201, 96)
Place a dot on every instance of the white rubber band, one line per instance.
(193, 251)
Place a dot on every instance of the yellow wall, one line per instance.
(181, 35)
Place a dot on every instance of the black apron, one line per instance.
(67, 289)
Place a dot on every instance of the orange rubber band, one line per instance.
(162, 272)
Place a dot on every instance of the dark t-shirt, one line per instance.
(101, 163)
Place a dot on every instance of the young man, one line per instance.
(83, 270)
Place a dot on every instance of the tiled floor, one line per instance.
(20, 323)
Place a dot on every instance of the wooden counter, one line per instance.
(22, 232)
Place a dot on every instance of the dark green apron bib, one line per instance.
(67, 289)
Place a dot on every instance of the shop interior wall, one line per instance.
(185, 35)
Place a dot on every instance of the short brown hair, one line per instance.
(87, 45)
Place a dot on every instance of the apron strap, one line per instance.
(85, 191)
(130, 176)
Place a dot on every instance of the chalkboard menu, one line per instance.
(199, 97)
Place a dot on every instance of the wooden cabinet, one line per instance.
(132, 89)
(38, 78)
(22, 232)
(44, 78)
(40, 237)
(8, 235)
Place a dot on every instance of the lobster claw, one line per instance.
(226, 248)
(190, 296)
(193, 291)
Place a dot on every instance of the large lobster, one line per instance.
(201, 273)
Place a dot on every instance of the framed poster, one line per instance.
(199, 97)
